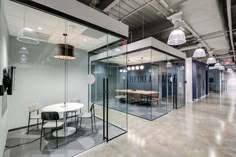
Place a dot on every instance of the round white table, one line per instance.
(64, 108)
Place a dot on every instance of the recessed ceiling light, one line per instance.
(40, 28)
(85, 39)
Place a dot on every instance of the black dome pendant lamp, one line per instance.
(65, 51)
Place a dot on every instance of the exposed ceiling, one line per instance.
(205, 22)
(82, 37)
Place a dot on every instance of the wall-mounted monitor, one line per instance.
(7, 80)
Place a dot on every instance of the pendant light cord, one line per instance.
(143, 26)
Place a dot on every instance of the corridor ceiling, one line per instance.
(206, 22)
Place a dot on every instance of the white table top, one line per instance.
(62, 107)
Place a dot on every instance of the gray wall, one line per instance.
(42, 80)
(3, 64)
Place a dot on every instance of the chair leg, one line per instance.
(57, 134)
(92, 123)
(41, 138)
(29, 123)
(75, 118)
(76, 125)
(57, 138)
(80, 122)
(37, 123)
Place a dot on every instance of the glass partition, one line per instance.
(145, 83)
(109, 90)
(58, 93)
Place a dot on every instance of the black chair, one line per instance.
(90, 114)
(50, 120)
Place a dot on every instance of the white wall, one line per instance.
(189, 79)
(3, 64)
(44, 83)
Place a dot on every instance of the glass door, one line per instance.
(180, 85)
(116, 96)
(109, 91)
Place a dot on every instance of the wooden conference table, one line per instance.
(140, 92)
(147, 94)
(64, 108)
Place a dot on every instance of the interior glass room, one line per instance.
(56, 115)
(146, 83)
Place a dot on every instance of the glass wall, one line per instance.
(199, 79)
(154, 82)
(52, 84)
(111, 77)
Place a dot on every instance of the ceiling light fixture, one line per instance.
(40, 28)
(141, 66)
(177, 36)
(133, 68)
(199, 52)
(65, 51)
(137, 67)
(211, 60)
(182, 68)
(23, 59)
(217, 65)
(27, 35)
(221, 68)
(169, 64)
(24, 51)
(128, 68)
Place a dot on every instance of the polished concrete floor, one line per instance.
(206, 128)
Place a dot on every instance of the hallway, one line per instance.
(206, 128)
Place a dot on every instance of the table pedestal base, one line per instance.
(65, 132)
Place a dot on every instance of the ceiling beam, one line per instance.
(111, 5)
(141, 7)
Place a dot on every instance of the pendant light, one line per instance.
(217, 65)
(24, 51)
(221, 68)
(199, 52)
(23, 59)
(182, 68)
(141, 66)
(65, 51)
(27, 35)
(229, 70)
(169, 64)
(211, 60)
(177, 36)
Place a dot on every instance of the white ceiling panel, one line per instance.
(218, 43)
(19, 16)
